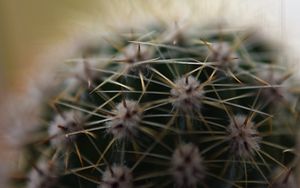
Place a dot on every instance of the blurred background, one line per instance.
(37, 34)
(32, 28)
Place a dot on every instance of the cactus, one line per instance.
(199, 107)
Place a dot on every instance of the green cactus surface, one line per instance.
(158, 107)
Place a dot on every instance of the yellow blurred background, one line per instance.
(28, 28)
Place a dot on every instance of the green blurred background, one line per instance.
(28, 27)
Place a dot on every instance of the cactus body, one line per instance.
(187, 110)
